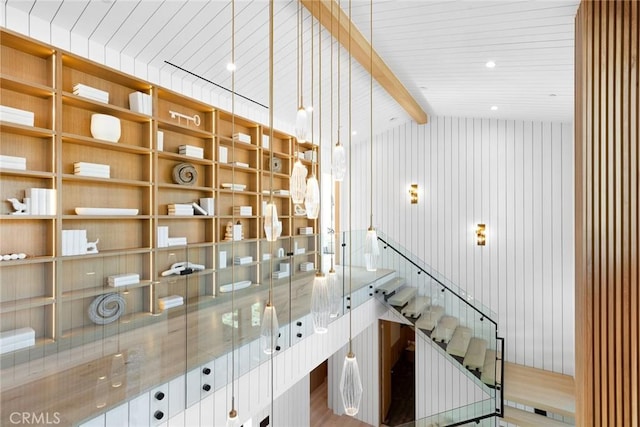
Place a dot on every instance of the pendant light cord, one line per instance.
(271, 147)
(371, 106)
(233, 180)
(332, 249)
(350, 199)
(318, 269)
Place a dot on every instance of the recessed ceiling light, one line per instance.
(309, 108)
(354, 133)
(490, 64)
(231, 67)
(494, 107)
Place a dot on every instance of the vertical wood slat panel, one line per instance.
(606, 214)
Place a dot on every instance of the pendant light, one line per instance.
(338, 161)
(232, 417)
(298, 179)
(312, 195)
(350, 382)
(270, 328)
(320, 303)
(371, 248)
(335, 292)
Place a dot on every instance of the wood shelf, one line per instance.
(109, 181)
(25, 86)
(117, 146)
(164, 124)
(9, 127)
(107, 253)
(101, 290)
(27, 173)
(25, 303)
(101, 107)
(186, 159)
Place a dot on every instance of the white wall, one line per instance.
(514, 176)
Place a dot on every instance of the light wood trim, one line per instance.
(606, 216)
(336, 21)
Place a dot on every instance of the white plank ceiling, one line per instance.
(438, 49)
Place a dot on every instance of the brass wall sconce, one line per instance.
(413, 193)
(481, 238)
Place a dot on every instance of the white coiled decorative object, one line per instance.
(106, 308)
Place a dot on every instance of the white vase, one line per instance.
(105, 127)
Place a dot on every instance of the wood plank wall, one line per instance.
(606, 165)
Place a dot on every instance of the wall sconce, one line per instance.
(413, 193)
(481, 238)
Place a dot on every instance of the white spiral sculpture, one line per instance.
(106, 308)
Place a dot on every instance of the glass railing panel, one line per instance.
(482, 412)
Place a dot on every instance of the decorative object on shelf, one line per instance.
(74, 242)
(16, 115)
(182, 268)
(92, 247)
(160, 140)
(413, 194)
(223, 153)
(16, 339)
(123, 279)
(19, 207)
(241, 137)
(106, 211)
(207, 203)
(191, 151)
(42, 201)
(106, 308)
(481, 235)
(13, 162)
(140, 103)
(170, 301)
(350, 382)
(91, 93)
(105, 127)
(13, 257)
(236, 286)
(299, 211)
(280, 253)
(175, 115)
(233, 232)
(275, 164)
(185, 174)
(222, 259)
(95, 170)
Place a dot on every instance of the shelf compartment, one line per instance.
(26, 87)
(93, 292)
(190, 287)
(167, 196)
(285, 162)
(16, 185)
(119, 85)
(104, 194)
(30, 235)
(22, 59)
(184, 159)
(110, 181)
(169, 101)
(250, 228)
(126, 233)
(39, 317)
(96, 143)
(77, 121)
(42, 108)
(38, 150)
(14, 128)
(26, 286)
(226, 128)
(80, 102)
(176, 135)
(281, 143)
(239, 176)
(194, 229)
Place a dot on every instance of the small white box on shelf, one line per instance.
(17, 339)
(15, 115)
(242, 260)
(191, 151)
(311, 156)
(160, 140)
(140, 103)
(13, 162)
(306, 266)
(237, 232)
(207, 204)
(123, 279)
(222, 259)
(95, 170)
(176, 241)
(163, 236)
(170, 301)
(265, 141)
(243, 210)
(91, 92)
(305, 230)
(222, 154)
(242, 137)
(284, 266)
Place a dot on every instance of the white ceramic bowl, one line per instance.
(105, 127)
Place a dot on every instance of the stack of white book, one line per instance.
(42, 201)
(305, 230)
(171, 301)
(306, 266)
(234, 187)
(163, 236)
(265, 141)
(180, 209)
(95, 170)
(176, 241)
(206, 203)
(12, 162)
(282, 272)
(310, 156)
(240, 164)
(91, 92)
(242, 137)
(74, 242)
(242, 210)
(123, 279)
(16, 115)
(191, 151)
(281, 192)
(242, 260)
(140, 103)
(15, 339)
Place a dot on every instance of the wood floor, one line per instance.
(322, 416)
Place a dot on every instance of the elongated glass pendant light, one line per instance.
(335, 291)
(298, 179)
(338, 161)
(312, 195)
(371, 248)
(270, 327)
(320, 303)
(232, 417)
(350, 382)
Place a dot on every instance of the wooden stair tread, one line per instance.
(546, 390)
(459, 341)
(402, 297)
(416, 306)
(430, 317)
(391, 286)
(529, 419)
(474, 358)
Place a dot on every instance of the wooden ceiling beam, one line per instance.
(362, 52)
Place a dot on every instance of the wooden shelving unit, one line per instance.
(50, 292)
